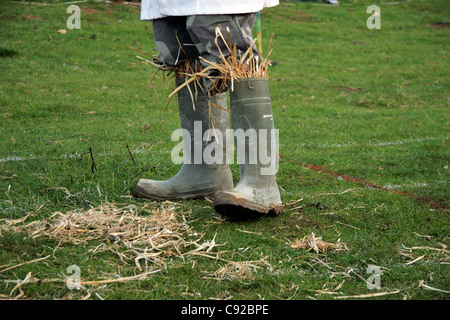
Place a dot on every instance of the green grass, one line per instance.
(369, 104)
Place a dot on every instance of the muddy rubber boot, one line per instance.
(257, 192)
(199, 176)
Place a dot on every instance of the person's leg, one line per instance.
(236, 28)
(256, 147)
(197, 178)
(251, 113)
(173, 41)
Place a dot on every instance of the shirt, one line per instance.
(155, 9)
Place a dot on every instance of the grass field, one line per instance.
(363, 120)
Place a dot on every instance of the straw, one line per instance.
(143, 234)
(232, 65)
(317, 244)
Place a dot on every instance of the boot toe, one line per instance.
(148, 189)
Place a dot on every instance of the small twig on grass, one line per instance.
(443, 250)
(427, 287)
(250, 232)
(124, 279)
(208, 256)
(60, 188)
(10, 222)
(93, 166)
(328, 291)
(294, 202)
(24, 263)
(415, 260)
(131, 155)
(42, 166)
(334, 193)
(29, 279)
(369, 295)
(344, 224)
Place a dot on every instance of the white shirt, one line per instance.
(155, 9)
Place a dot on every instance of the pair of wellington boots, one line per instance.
(205, 123)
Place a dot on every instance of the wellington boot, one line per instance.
(257, 192)
(196, 178)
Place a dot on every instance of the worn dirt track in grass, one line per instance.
(432, 203)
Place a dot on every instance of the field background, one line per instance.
(364, 123)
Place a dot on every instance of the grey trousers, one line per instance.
(183, 38)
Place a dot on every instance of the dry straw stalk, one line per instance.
(233, 65)
(144, 234)
(311, 242)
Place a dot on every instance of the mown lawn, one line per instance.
(364, 123)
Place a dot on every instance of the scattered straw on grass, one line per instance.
(149, 234)
(130, 225)
(317, 244)
(440, 255)
(238, 270)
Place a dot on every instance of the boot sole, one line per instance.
(142, 195)
(243, 209)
